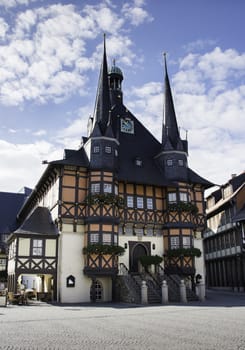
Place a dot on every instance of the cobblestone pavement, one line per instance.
(217, 323)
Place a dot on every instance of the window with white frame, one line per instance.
(186, 241)
(37, 247)
(130, 201)
(149, 203)
(94, 238)
(107, 149)
(96, 149)
(169, 162)
(174, 242)
(172, 197)
(107, 188)
(106, 238)
(95, 188)
(140, 202)
(3, 264)
(184, 197)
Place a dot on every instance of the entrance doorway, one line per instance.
(137, 251)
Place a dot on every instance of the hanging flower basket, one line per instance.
(147, 260)
(183, 206)
(104, 199)
(184, 252)
(103, 249)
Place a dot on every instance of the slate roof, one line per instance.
(240, 215)
(39, 222)
(10, 204)
(73, 157)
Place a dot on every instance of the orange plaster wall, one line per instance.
(69, 180)
(68, 194)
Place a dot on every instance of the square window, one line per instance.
(169, 162)
(107, 149)
(94, 238)
(106, 238)
(149, 203)
(140, 202)
(138, 162)
(186, 241)
(172, 197)
(95, 188)
(174, 242)
(183, 196)
(96, 149)
(107, 188)
(130, 201)
(181, 162)
(37, 247)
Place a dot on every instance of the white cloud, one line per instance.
(44, 53)
(16, 160)
(199, 44)
(40, 132)
(135, 13)
(14, 3)
(3, 28)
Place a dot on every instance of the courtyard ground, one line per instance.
(216, 324)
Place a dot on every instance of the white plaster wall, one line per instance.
(199, 262)
(11, 266)
(158, 241)
(107, 288)
(71, 262)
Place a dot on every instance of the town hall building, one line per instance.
(122, 208)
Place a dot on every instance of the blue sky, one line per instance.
(50, 55)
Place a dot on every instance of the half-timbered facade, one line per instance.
(121, 196)
(224, 239)
(33, 252)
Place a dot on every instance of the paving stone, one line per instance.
(217, 323)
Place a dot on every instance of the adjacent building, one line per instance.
(121, 199)
(224, 239)
(10, 204)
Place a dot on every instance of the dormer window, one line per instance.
(138, 161)
(108, 149)
(96, 149)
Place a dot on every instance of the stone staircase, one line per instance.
(128, 286)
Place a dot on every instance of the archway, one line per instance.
(138, 251)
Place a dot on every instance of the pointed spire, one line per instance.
(109, 131)
(170, 127)
(102, 104)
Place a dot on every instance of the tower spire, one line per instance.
(102, 103)
(170, 127)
